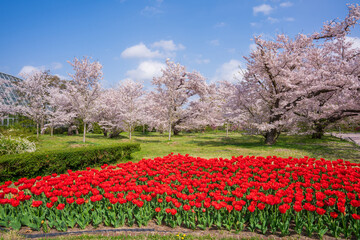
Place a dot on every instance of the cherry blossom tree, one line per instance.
(108, 111)
(83, 89)
(33, 93)
(225, 111)
(121, 108)
(60, 109)
(154, 116)
(277, 79)
(337, 62)
(247, 114)
(130, 96)
(206, 110)
(173, 90)
(267, 93)
(149, 118)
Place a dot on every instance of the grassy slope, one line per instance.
(211, 145)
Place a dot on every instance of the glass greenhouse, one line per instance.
(8, 98)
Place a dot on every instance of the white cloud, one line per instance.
(198, 59)
(254, 24)
(167, 45)
(229, 71)
(286, 4)
(273, 20)
(201, 60)
(264, 8)
(159, 49)
(219, 25)
(62, 77)
(355, 42)
(56, 65)
(140, 51)
(146, 70)
(29, 69)
(181, 47)
(214, 42)
(289, 19)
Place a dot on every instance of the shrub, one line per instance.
(15, 131)
(45, 163)
(22, 125)
(97, 129)
(15, 145)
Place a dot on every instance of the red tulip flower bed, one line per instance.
(266, 194)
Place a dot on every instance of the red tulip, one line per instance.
(36, 203)
(61, 206)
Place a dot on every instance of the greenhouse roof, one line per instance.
(8, 97)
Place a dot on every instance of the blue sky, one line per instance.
(132, 38)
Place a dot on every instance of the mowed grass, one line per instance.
(214, 145)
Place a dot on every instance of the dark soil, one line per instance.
(153, 228)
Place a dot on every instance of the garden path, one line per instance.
(353, 137)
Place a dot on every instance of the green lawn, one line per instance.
(215, 144)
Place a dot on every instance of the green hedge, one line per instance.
(45, 163)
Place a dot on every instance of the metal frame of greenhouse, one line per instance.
(10, 98)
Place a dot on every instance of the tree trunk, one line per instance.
(42, 126)
(51, 131)
(319, 131)
(130, 133)
(271, 136)
(114, 133)
(84, 133)
(169, 132)
(37, 130)
(143, 128)
(176, 132)
(70, 131)
(227, 129)
(105, 132)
